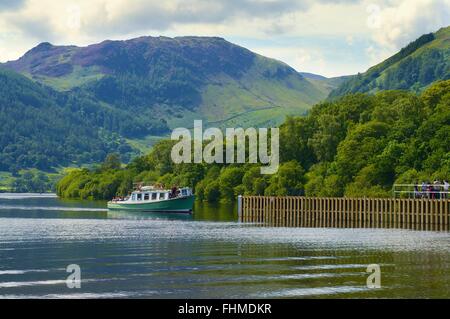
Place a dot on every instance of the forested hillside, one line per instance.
(416, 66)
(358, 145)
(40, 128)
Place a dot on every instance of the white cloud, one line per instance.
(387, 24)
(377, 54)
(396, 23)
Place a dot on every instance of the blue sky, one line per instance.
(327, 37)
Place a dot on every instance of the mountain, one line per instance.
(414, 68)
(66, 106)
(172, 81)
(326, 85)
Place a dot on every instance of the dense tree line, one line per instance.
(33, 182)
(358, 145)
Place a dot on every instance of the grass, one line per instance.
(78, 77)
(254, 99)
(6, 180)
(144, 145)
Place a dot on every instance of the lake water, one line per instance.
(207, 255)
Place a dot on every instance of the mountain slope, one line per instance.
(326, 85)
(176, 80)
(40, 128)
(413, 68)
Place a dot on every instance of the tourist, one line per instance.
(446, 187)
(416, 191)
(436, 189)
(173, 192)
(425, 190)
(430, 188)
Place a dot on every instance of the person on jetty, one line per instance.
(417, 193)
(430, 190)
(435, 190)
(424, 190)
(445, 187)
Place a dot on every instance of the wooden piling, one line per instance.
(290, 211)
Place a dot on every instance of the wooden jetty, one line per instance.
(290, 211)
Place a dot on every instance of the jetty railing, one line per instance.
(291, 211)
(432, 191)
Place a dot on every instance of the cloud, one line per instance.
(383, 25)
(130, 16)
(396, 23)
(118, 17)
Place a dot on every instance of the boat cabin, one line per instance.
(149, 194)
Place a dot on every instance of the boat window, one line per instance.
(139, 196)
(146, 196)
(133, 197)
(154, 196)
(161, 195)
(184, 192)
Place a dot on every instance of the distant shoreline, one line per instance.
(12, 195)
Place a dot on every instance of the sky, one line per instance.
(327, 37)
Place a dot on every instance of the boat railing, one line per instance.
(140, 185)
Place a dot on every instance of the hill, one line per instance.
(326, 85)
(414, 68)
(175, 80)
(43, 129)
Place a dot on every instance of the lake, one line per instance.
(207, 255)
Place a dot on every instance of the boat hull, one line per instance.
(176, 205)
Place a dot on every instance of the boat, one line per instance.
(156, 199)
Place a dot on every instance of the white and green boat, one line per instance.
(155, 199)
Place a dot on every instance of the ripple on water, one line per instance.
(26, 195)
(147, 230)
(155, 257)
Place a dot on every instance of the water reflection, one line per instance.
(118, 214)
(49, 206)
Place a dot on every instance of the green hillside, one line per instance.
(356, 146)
(415, 67)
(40, 128)
(175, 80)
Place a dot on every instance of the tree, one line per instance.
(112, 162)
(230, 177)
(288, 181)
